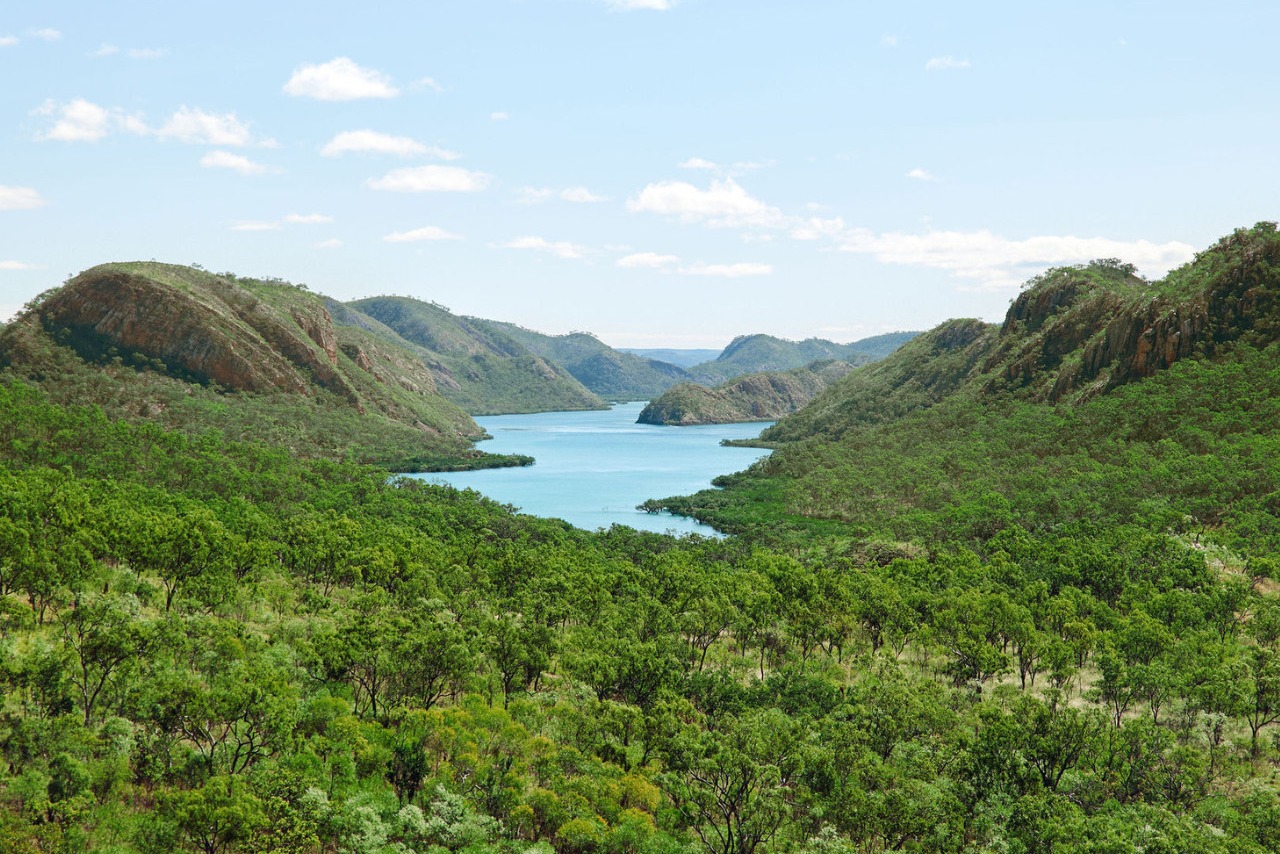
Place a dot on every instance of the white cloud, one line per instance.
(559, 248)
(19, 198)
(629, 5)
(499, 116)
(106, 50)
(339, 80)
(698, 163)
(18, 265)
(648, 261)
(255, 225)
(308, 219)
(580, 195)
(235, 162)
(725, 204)
(816, 228)
(84, 121)
(77, 121)
(428, 83)
(428, 232)
(331, 243)
(993, 262)
(8, 41)
(372, 142)
(48, 34)
(431, 179)
(201, 128)
(728, 271)
(535, 195)
(945, 63)
(920, 175)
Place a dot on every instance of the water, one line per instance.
(593, 468)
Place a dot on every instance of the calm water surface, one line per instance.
(593, 468)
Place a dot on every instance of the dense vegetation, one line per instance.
(478, 364)
(753, 397)
(249, 358)
(998, 624)
(751, 354)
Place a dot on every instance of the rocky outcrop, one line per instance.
(140, 318)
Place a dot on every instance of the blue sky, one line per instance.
(658, 172)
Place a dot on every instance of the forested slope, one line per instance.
(752, 397)
(477, 364)
(1001, 624)
(197, 351)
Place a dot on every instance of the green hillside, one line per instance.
(753, 397)
(197, 351)
(1101, 397)
(612, 374)
(1031, 605)
(749, 354)
(477, 364)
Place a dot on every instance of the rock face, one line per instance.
(230, 335)
(133, 314)
(1073, 333)
(1086, 330)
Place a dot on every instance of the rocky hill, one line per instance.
(477, 364)
(612, 374)
(748, 354)
(765, 396)
(247, 357)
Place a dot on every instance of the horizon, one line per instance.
(662, 173)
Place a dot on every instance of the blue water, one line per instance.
(593, 468)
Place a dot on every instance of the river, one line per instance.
(593, 468)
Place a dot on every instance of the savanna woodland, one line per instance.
(1008, 589)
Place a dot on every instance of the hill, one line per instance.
(612, 374)
(749, 354)
(765, 396)
(197, 351)
(1102, 396)
(476, 363)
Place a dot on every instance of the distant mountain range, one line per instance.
(392, 378)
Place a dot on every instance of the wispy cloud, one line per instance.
(48, 34)
(577, 195)
(989, 262)
(372, 142)
(724, 203)
(558, 248)
(431, 179)
(428, 83)
(331, 243)
(631, 5)
(499, 116)
(888, 41)
(945, 63)
(727, 271)
(648, 261)
(147, 52)
(8, 41)
(307, 219)
(80, 120)
(277, 224)
(427, 232)
(195, 126)
(19, 199)
(234, 162)
(15, 266)
(920, 175)
(339, 79)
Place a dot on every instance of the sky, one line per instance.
(661, 173)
